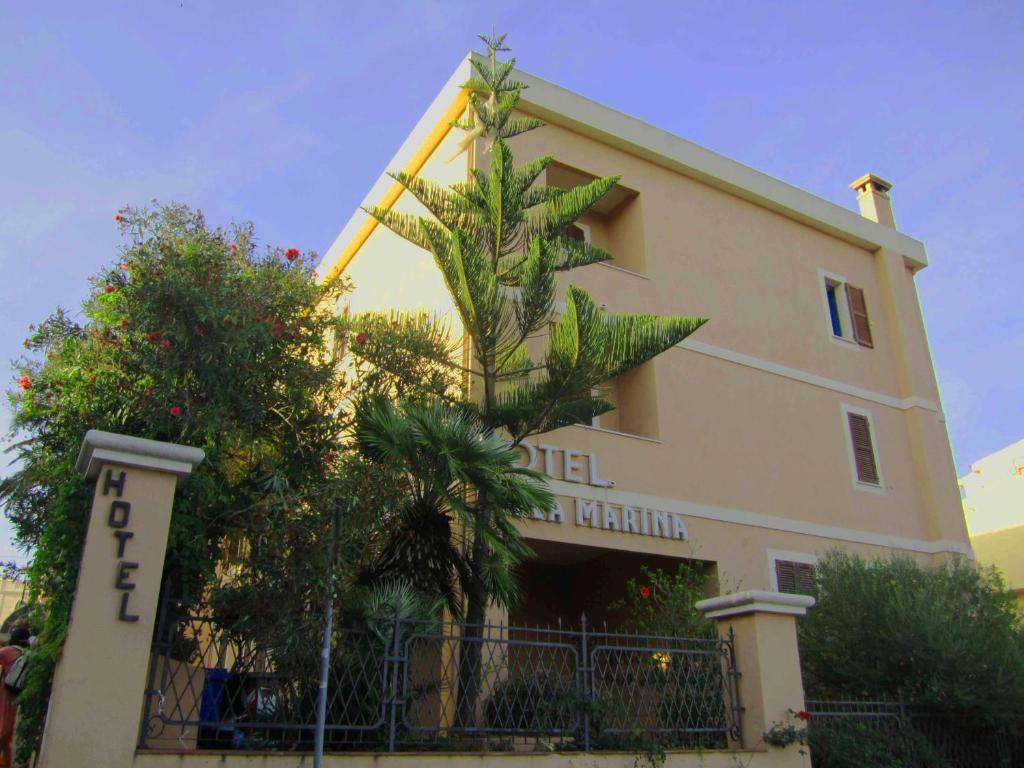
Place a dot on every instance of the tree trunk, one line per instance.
(471, 652)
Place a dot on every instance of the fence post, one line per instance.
(154, 663)
(95, 706)
(587, 672)
(392, 658)
(765, 643)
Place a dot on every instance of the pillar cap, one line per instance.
(101, 447)
(871, 182)
(755, 601)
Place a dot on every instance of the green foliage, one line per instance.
(532, 704)
(448, 464)
(852, 743)
(664, 605)
(191, 336)
(946, 638)
(408, 356)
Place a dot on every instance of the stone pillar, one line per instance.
(767, 657)
(98, 685)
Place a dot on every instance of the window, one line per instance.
(847, 311)
(794, 577)
(862, 448)
(614, 223)
(579, 232)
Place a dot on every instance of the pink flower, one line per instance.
(24, 382)
(361, 338)
(291, 254)
(118, 218)
(175, 411)
(165, 344)
(232, 247)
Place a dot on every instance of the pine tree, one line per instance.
(499, 239)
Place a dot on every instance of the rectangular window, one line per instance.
(863, 449)
(847, 311)
(794, 578)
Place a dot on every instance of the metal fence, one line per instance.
(911, 737)
(409, 685)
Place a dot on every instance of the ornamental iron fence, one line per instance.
(910, 736)
(400, 684)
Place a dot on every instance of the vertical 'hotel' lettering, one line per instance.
(117, 518)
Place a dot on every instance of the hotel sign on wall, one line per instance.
(580, 467)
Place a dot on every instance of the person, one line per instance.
(8, 708)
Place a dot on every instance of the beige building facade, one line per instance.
(804, 416)
(993, 491)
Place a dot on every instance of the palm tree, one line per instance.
(462, 486)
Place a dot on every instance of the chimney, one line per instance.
(873, 199)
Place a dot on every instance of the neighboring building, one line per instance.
(993, 491)
(13, 595)
(1005, 550)
(804, 416)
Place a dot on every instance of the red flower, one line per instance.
(361, 338)
(110, 288)
(118, 218)
(24, 382)
(291, 254)
(803, 714)
(645, 591)
(125, 266)
(278, 327)
(232, 247)
(165, 344)
(124, 322)
(149, 391)
(153, 335)
(175, 411)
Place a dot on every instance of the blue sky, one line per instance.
(286, 113)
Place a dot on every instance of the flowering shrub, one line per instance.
(664, 604)
(787, 733)
(191, 336)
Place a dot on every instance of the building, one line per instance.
(804, 416)
(1005, 550)
(993, 491)
(993, 499)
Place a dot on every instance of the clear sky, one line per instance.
(286, 113)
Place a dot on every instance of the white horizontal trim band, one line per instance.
(757, 519)
(814, 379)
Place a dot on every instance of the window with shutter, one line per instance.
(847, 310)
(863, 450)
(794, 578)
(859, 315)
